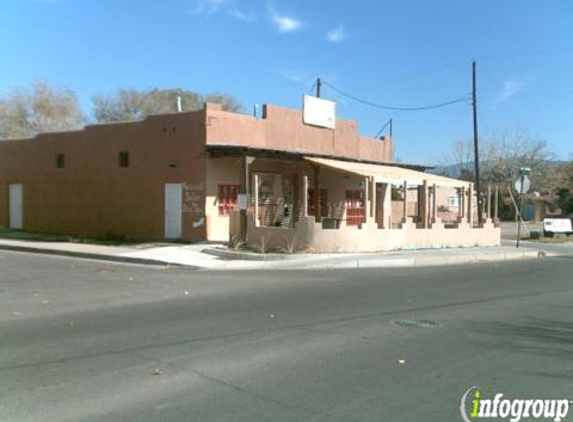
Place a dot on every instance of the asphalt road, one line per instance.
(90, 341)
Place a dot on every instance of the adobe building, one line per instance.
(211, 175)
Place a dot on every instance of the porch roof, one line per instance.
(387, 174)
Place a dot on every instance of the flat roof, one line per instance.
(228, 149)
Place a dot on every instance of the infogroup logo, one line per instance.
(474, 406)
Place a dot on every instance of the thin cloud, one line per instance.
(242, 16)
(283, 23)
(336, 35)
(210, 7)
(510, 88)
(295, 76)
(205, 7)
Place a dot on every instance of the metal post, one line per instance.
(318, 87)
(520, 209)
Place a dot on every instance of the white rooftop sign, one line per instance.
(319, 112)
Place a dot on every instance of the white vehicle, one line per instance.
(553, 226)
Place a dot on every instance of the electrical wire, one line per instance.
(383, 127)
(386, 107)
(311, 90)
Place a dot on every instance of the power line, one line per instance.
(311, 90)
(386, 107)
(388, 123)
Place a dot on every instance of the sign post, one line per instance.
(522, 186)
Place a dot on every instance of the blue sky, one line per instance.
(401, 52)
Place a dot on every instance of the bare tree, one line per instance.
(26, 112)
(132, 104)
(514, 149)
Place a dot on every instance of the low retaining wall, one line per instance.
(309, 236)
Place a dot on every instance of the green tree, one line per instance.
(564, 190)
(26, 112)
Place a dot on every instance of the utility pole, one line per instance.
(476, 147)
(390, 128)
(318, 87)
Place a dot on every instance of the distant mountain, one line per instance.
(454, 170)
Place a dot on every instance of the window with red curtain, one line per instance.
(354, 207)
(227, 198)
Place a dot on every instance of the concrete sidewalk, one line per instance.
(209, 257)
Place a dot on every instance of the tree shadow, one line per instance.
(537, 336)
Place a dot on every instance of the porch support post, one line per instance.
(470, 203)
(304, 196)
(256, 195)
(366, 199)
(317, 198)
(372, 197)
(495, 204)
(423, 203)
(461, 204)
(405, 202)
(243, 191)
(387, 206)
(488, 201)
(434, 203)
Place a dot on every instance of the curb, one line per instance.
(94, 256)
(339, 263)
(243, 256)
(296, 263)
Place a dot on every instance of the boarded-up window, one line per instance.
(227, 198)
(354, 207)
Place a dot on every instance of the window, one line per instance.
(354, 207)
(227, 198)
(453, 201)
(124, 159)
(60, 161)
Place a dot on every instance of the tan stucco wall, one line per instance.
(225, 171)
(283, 129)
(92, 195)
(310, 237)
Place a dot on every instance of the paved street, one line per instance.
(96, 341)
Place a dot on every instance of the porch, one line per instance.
(313, 204)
